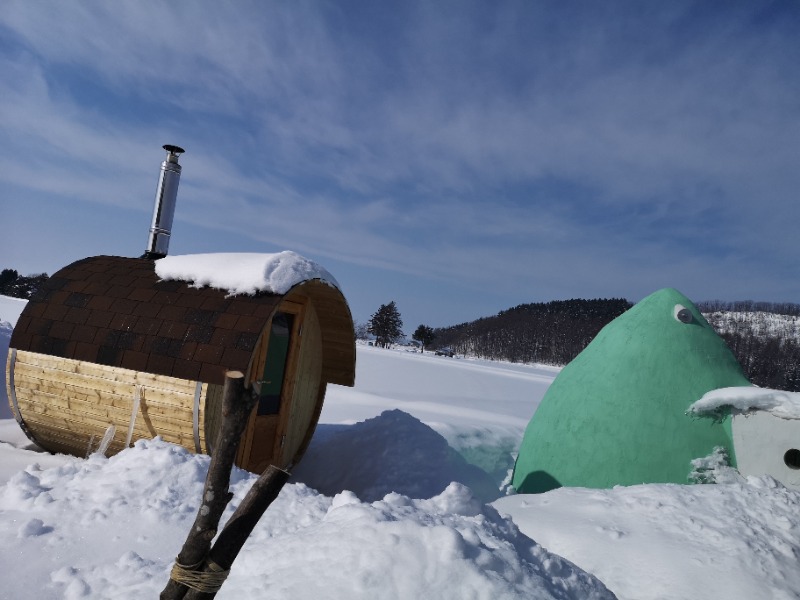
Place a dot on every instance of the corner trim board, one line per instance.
(13, 393)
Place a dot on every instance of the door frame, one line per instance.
(248, 445)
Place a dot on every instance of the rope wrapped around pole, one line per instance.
(241, 523)
(196, 578)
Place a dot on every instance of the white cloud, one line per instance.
(447, 140)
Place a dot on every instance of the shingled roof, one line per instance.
(114, 311)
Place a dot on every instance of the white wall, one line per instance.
(761, 440)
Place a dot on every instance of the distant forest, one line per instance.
(776, 308)
(20, 286)
(764, 337)
(556, 332)
(551, 332)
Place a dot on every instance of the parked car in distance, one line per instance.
(446, 351)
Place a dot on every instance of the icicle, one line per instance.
(107, 437)
(89, 446)
(138, 392)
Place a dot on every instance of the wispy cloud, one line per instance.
(566, 149)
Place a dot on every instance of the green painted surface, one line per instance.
(616, 415)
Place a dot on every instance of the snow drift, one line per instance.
(109, 528)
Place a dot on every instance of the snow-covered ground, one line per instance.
(371, 511)
(10, 309)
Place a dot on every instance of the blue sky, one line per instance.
(458, 158)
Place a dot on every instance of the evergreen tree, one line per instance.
(386, 325)
(7, 279)
(424, 335)
(20, 286)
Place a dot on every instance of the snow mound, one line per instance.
(393, 452)
(682, 542)
(777, 402)
(714, 468)
(121, 521)
(243, 272)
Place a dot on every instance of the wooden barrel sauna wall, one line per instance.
(105, 343)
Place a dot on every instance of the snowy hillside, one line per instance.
(758, 323)
(371, 511)
(10, 309)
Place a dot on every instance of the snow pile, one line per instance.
(414, 460)
(243, 273)
(480, 407)
(653, 542)
(714, 468)
(781, 404)
(110, 528)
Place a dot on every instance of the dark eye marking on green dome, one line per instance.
(682, 314)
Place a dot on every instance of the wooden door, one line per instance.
(273, 376)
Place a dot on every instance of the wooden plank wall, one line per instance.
(66, 403)
(336, 326)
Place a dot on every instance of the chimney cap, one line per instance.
(173, 149)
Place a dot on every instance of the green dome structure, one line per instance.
(616, 415)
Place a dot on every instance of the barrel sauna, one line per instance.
(105, 342)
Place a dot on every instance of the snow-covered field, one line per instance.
(371, 511)
(10, 309)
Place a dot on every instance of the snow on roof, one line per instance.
(781, 404)
(243, 272)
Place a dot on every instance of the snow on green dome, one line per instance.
(617, 414)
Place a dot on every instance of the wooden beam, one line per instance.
(236, 406)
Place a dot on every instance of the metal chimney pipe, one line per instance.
(164, 210)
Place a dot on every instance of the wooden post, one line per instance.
(240, 526)
(236, 408)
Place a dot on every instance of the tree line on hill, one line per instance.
(767, 347)
(547, 332)
(20, 286)
(771, 362)
(749, 306)
(556, 332)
